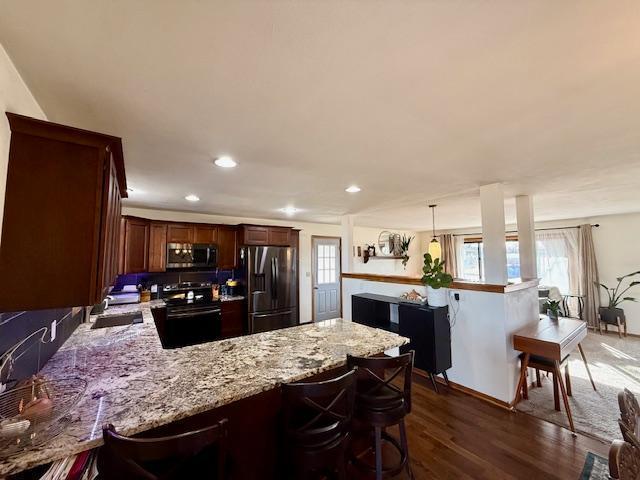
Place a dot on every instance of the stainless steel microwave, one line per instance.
(194, 256)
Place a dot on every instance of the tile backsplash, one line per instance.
(164, 278)
(26, 337)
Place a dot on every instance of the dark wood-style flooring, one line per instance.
(455, 436)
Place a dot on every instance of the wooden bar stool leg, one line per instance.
(556, 392)
(405, 446)
(567, 379)
(378, 433)
(525, 387)
(523, 378)
(625, 328)
(565, 399)
(586, 365)
(538, 381)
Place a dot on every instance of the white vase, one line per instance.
(437, 297)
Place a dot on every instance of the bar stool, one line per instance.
(196, 454)
(317, 423)
(381, 404)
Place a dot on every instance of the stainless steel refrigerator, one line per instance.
(272, 281)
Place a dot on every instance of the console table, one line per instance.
(427, 327)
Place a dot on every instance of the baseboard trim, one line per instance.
(466, 390)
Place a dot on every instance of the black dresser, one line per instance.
(427, 327)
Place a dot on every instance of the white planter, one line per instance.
(437, 297)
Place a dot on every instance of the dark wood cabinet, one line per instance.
(233, 318)
(157, 247)
(254, 235)
(279, 236)
(179, 233)
(136, 245)
(262, 235)
(61, 226)
(205, 234)
(227, 247)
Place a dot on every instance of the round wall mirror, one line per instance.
(385, 242)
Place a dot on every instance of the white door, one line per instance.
(326, 278)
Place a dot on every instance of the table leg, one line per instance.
(586, 365)
(565, 399)
(538, 381)
(567, 378)
(556, 393)
(523, 378)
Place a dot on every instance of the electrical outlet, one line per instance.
(53, 330)
(455, 296)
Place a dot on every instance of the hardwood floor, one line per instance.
(453, 435)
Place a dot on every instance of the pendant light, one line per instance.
(435, 250)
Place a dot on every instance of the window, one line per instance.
(326, 264)
(556, 253)
(473, 258)
(472, 261)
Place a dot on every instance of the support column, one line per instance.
(493, 233)
(526, 237)
(347, 243)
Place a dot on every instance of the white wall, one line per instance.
(369, 236)
(617, 245)
(15, 97)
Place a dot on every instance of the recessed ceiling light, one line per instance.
(192, 198)
(289, 210)
(225, 161)
(353, 189)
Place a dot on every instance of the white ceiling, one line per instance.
(414, 101)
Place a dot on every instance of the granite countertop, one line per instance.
(136, 385)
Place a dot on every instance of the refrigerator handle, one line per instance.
(273, 280)
(277, 276)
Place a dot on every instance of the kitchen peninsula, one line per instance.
(138, 386)
(483, 319)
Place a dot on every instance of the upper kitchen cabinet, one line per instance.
(180, 233)
(157, 247)
(205, 234)
(136, 245)
(227, 247)
(61, 226)
(262, 235)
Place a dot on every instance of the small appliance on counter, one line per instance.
(128, 294)
(190, 315)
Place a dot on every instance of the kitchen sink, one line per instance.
(104, 321)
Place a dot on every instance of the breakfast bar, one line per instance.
(136, 385)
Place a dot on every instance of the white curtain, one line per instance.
(558, 260)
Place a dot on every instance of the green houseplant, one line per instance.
(612, 313)
(436, 280)
(404, 249)
(553, 309)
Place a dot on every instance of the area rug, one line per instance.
(595, 468)
(614, 364)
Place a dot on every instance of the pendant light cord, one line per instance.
(433, 219)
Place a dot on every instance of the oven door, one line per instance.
(192, 325)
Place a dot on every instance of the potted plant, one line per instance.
(553, 309)
(404, 249)
(612, 312)
(436, 280)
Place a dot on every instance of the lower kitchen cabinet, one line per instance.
(233, 318)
